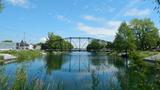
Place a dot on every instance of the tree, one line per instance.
(146, 33)
(109, 46)
(56, 42)
(53, 41)
(7, 41)
(158, 1)
(1, 5)
(94, 46)
(157, 5)
(124, 40)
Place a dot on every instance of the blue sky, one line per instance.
(93, 18)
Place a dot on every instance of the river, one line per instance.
(74, 71)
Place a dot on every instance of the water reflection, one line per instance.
(76, 71)
(82, 70)
(53, 62)
(80, 62)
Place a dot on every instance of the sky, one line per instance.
(68, 18)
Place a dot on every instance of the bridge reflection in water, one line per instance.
(84, 70)
(77, 62)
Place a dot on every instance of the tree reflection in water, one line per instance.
(53, 62)
(87, 71)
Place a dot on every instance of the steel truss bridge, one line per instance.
(79, 43)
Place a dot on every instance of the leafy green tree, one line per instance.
(109, 45)
(94, 46)
(56, 42)
(146, 33)
(124, 40)
(53, 41)
(1, 5)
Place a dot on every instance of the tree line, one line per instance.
(138, 34)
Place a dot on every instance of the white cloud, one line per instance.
(126, 8)
(90, 18)
(109, 29)
(93, 18)
(63, 18)
(138, 12)
(22, 3)
(60, 17)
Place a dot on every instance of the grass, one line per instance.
(1, 57)
(24, 54)
(22, 82)
(142, 54)
(1, 60)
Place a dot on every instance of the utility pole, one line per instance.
(24, 37)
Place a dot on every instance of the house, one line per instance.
(23, 45)
(7, 46)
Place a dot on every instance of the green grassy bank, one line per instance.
(142, 54)
(24, 54)
(137, 54)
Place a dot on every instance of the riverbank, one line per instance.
(23, 54)
(143, 54)
(138, 54)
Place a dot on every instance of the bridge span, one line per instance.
(79, 43)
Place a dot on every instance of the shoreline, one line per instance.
(22, 55)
